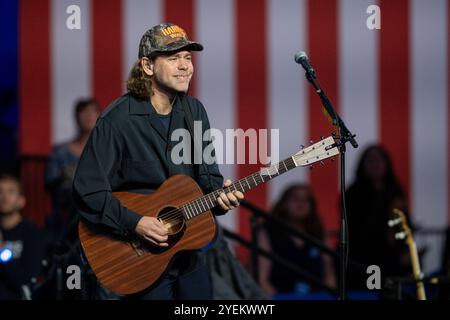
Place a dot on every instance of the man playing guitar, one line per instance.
(130, 150)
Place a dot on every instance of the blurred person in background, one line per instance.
(61, 169)
(297, 207)
(370, 200)
(21, 243)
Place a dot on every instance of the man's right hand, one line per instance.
(152, 230)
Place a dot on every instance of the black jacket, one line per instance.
(129, 150)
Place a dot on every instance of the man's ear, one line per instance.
(147, 65)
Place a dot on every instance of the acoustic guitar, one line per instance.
(128, 264)
(404, 233)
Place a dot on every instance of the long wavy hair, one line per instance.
(138, 82)
(389, 178)
(312, 223)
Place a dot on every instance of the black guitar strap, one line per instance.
(190, 124)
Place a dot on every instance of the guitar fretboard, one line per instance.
(209, 201)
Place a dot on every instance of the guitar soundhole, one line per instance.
(172, 218)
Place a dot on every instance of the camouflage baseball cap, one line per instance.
(165, 37)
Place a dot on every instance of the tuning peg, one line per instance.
(332, 160)
(400, 236)
(322, 137)
(311, 167)
(311, 141)
(393, 222)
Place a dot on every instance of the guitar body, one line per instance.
(126, 265)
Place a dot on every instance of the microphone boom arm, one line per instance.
(337, 121)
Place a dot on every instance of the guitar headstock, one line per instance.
(404, 233)
(398, 221)
(317, 152)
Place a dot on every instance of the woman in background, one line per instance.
(296, 207)
(370, 200)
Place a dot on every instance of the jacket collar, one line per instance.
(141, 107)
(144, 107)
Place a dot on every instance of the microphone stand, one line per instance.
(344, 136)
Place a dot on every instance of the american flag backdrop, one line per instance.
(390, 86)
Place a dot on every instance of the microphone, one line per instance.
(302, 58)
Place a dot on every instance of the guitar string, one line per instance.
(179, 211)
(175, 214)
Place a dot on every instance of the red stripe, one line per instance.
(34, 77)
(181, 13)
(394, 86)
(107, 77)
(38, 204)
(323, 52)
(251, 92)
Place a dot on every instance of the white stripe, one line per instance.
(70, 68)
(138, 17)
(429, 121)
(214, 27)
(287, 86)
(358, 78)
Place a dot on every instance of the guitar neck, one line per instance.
(209, 201)
(416, 269)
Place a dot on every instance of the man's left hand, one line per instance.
(230, 200)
